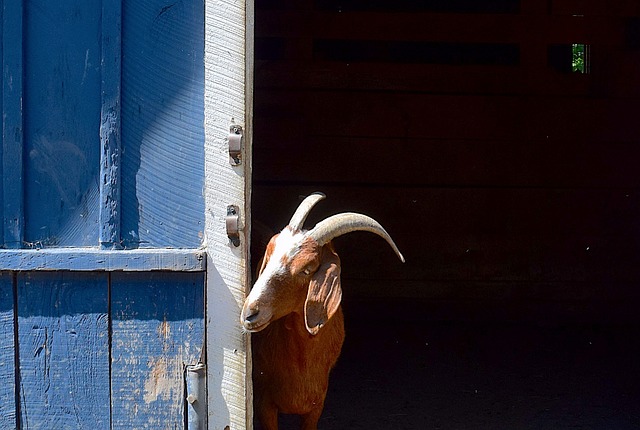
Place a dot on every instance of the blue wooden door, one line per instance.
(102, 275)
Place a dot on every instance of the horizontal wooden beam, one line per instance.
(438, 79)
(543, 163)
(82, 259)
(478, 28)
(409, 115)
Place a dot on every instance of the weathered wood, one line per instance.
(110, 125)
(157, 329)
(228, 100)
(63, 336)
(8, 376)
(12, 124)
(62, 103)
(76, 259)
(162, 124)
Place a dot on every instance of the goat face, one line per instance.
(296, 275)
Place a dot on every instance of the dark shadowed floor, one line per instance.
(471, 375)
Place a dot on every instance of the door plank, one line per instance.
(63, 350)
(7, 354)
(62, 87)
(12, 122)
(110, 130)
(162, 124)
(158, 328)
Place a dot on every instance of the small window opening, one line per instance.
(580, 58)
(570, 58)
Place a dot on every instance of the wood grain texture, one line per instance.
(83, 259)
(63, 339)
(8, 374)
(157, 329)
(162, 124)
(228, 100)
(12, 124)
(62, 104)
(110, 125)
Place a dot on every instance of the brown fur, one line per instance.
(290, 364)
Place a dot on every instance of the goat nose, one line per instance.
(252, 314)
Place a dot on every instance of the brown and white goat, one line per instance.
(294, 310)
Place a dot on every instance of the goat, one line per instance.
(294, 312)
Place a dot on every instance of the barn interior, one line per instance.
(497, 141)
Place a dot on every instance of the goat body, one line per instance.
(295, 314)
(286, 351)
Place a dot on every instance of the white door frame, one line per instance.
(228, 62)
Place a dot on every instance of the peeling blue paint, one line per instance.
(110, 129)
(100, 152)
(64, 351)
(7, 353)
(12, 121)
(158, 329)
(79, 259)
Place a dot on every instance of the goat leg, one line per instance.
(310, 420)
(268, 417)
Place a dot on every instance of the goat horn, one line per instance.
(344, 223)
(300, 215)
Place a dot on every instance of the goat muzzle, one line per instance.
(253, 319)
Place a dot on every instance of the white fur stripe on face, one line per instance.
(287, 244)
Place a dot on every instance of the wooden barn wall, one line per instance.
(509, 182)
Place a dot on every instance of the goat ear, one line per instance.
(324, 293)
(265, 258)
(261, 265)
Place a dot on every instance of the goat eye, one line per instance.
(306, 271)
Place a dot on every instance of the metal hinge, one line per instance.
(235, 145)
(196, 381)
(233, 224)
